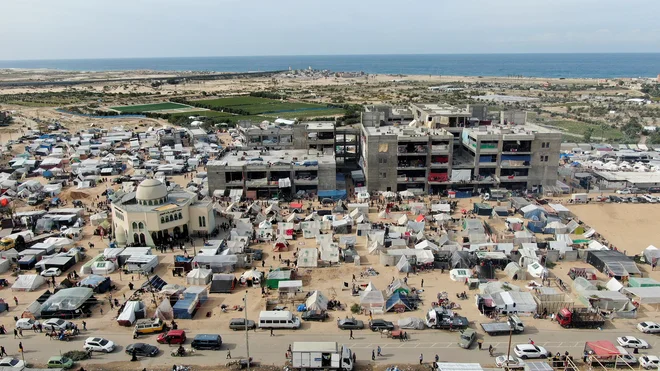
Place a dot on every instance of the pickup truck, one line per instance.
(513, 324)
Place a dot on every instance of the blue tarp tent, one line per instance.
(335, 195)
(97, 283)
(398, 302)
(535, 226)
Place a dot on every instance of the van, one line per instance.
(149, 326)
(207, 341)
(278, 319)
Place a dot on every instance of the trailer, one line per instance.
(314, 355)
(512, 325)
(580, 318)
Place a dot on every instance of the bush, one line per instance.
(356, 308)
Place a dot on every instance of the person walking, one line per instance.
(16, 300)
(437, 358)
(228, 354)
(422, 284)
(15, 333)
(20, 347)
(84, 325)
(379, 353)
(421, 358)
(531, 341)
(490, 350)
(20, 332)
(373, 355)
(3, 352)
(350, 336)
(271, 332)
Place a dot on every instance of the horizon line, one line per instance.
(314, 55)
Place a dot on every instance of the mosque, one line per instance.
(152, 214)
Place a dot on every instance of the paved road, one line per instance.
(271, 350)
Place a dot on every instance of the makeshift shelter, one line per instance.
(515, 272)
(251, 277)
(289, 288)
(67, 303)
(644, 295)
(460, 275)
(199, 276)
(133, 311)
(103, 267)
(556, 227)
(28, 282)
(398, 285)
(427, 245)
(399, 302)
(411, 323)
(193, 298)
(514, 302)
(643, 282)
(165, 311)
(651, 254)
(99, 284)
(172, 290)
(403, 265)
(276, 276)
(372, 299)
(613, 263)
(223, 283)
(316, 301)
(308, 257)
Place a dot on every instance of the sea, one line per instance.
(526, 65)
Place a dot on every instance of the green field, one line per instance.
(269, 107)
(202, 113)
(149, 107)
(579, 128)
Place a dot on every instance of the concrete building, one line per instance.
(262, 173)
(152, 214)
(446, 147)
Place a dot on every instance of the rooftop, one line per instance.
(441, 109)
(496, 129)
(257, 157)
(405, 131)
(321, 125)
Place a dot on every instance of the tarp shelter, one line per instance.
(99, 284)
(316, 301)
(133, 311)
(223, 283)
(66, 303)
(482, 209)
(514, 302)
(308, 257)
(165, 311)
(28, 282)
(372, 298)
(199, 276)
(398, 285)
(514, 272)
(613, 263)
(253, 276)
(613, 285)
(426, 244)
(103, 267)
(275, 277)
(643, 282)
(193, 298)
(216, 263)
(645, 295)
(289, 287)
(651, 254)
(556, 227)
(411, 323)
(403, 265)
(280, 245)
(580, 284)
(398, 302)
(532, 212)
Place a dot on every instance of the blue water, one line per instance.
(531, 65)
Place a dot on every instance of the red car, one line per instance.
(172, 337)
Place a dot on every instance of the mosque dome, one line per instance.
(151, 189)
(120, 235)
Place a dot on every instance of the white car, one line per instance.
(648, 327)
(525, 351)
(57, 323)
(99, 345)
(12, 362)
(26, 323)
(623, 191)
(649, 362)
(632, 342)
(513, 362)
(51, 272)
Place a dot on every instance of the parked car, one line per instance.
(172, 337)
(314, 315)
(99, 345)
(624, 191)
(51, 272)
(466, 338)
(649, 362)
(59, 324)
(350, 324)
(142, 349)
(512, 362)
(60, 362)
(12, 362)
(526, 351)
(239, 324)
(632, 342)
(26, 323)
(380, 324)
(648, 327)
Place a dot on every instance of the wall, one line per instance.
(544, 173)
(327, 177)
(376, 143)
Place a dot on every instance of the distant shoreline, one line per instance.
(565, 65)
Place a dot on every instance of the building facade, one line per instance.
(152, 214)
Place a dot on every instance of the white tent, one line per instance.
(103, 268)
(406, 194)
(403, 265)
(403, 220)
(317, 301)
(375, 248)
(28, 282)
(199, 277)
(165, 311)
(308, 257)
(372, 298)
(128, 316)
(426, 244)
(98, 218)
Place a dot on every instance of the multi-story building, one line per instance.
(265, 173)
(445, 147)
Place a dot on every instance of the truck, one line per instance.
(35, 199)
(606, 353)
(513, 324)
(9, 242)
(321, 355)
(580, 318)
(444, 319)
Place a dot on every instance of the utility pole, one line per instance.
(508, 350)
(247, 331)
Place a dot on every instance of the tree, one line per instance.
(587, 134)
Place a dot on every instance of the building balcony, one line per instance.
(410, 166)
(513, 178)
(488, 150)
(234, 183)
(256, 182)
(440, 164)
(438, 148)
(302, 165)
(488, 164)
(515, 164)
(411, 179)
(307, 180)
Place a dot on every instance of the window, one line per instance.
(382, 174)
(202, 221)
(134, 225)
(180, 215)
(382, 160)
(162, 219)
(543, 158)
(140, 226)
(150, 203)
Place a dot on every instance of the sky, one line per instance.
(77, 29)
